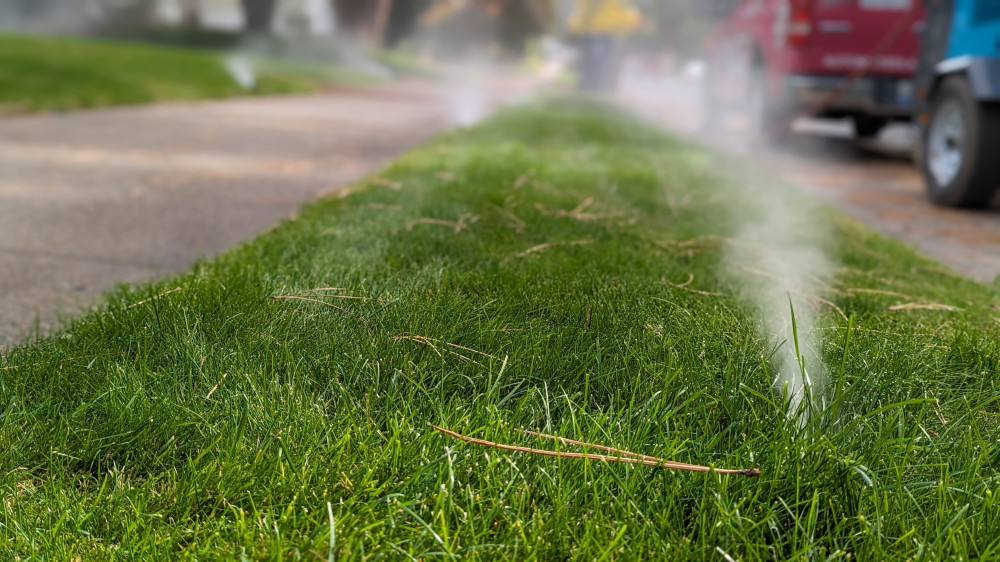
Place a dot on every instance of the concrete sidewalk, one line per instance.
(93, 199)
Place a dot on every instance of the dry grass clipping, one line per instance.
(685, 287)
(382, 207)
(879, 292)
(577, 213)
(925, 306)
(383, 182)
(154, 297)
(458, 226)
(318, 295)
(542, 247)
(515, 222)
(437, 346)
(523, 179)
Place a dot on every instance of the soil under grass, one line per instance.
(56, 73)
(526, 274)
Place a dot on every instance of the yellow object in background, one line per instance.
(599, 17)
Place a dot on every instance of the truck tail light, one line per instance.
(800, 22)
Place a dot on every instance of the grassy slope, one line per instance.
(215, 420)
(46, 73)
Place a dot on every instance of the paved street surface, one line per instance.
(877, 182)
(89, 200)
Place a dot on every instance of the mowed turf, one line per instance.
(525, 274)
(56, 73)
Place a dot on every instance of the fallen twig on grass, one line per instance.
(216, 387)
(516, 222)
(621, 457)
(568, 441)
(925, 306)
(461, 224)
(154, 297)
(429, 342)
(684, 287)
(324, 295)
(577, 213)
(713, 240)
(692, 242)
(434, 342)
(829, 303)
(870, 331)
(325, 303)
(383, 182)
(523, 179)
(547, 245)
(307, 299)
(382, 206)
(878, 292)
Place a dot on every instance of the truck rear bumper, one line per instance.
(884, 97)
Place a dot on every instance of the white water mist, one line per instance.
(241, 70)
(779, 257)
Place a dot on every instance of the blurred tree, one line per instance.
(29, 8)
(403, 19)
(364, 19)
(258, 15)
(522, 20)
(682, 25)
(460, 29)
(128, 12)
(192, 13)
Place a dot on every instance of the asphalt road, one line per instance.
(89, 200)
(875, 181)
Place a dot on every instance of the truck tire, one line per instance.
(868, 127)
(959, 159)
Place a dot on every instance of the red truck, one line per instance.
(778, 59)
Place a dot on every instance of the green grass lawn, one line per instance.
(48, 73)
(524, 274)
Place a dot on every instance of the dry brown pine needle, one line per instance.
(547, 245)
(433, 343)
(925, 306)
(619, 457)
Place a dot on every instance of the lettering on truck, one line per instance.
(885, 63)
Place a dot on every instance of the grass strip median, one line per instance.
(556, 276)
(61, 73)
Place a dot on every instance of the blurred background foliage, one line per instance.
(441, 28)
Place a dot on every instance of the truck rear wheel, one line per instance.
(960, 165)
